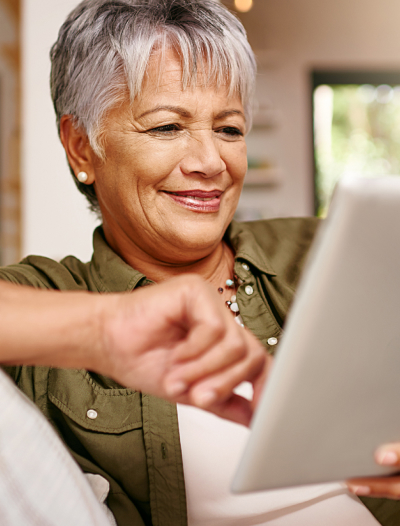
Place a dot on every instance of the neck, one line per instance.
(216, 267)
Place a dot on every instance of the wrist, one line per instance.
(101, 322)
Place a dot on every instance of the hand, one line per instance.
(178, 341)
(175, 340)
(385, 487)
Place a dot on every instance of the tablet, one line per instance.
(334, 392)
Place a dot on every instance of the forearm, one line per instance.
(40, 327)
(175, 340)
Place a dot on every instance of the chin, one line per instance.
(198, 236)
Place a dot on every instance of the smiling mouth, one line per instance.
(197, 200)
(193, 197)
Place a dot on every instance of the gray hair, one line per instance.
(104, 47)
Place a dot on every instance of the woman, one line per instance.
(153, 102)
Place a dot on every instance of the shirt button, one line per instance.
(245, 266)
(272, 341)
(92, 414)
(249, 290)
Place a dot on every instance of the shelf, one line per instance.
(263, 177)
(266, 119)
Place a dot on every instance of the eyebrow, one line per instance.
(173, 109)
(228, 113)
(184, 113)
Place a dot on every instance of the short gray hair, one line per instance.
(104, 47)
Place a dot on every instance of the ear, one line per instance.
(76, 144)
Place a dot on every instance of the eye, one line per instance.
(231, 132)
(167, 129)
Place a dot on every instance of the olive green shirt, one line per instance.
(134, 441)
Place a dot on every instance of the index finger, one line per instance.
(207, 323)
(388, 454)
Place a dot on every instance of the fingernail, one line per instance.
(361, 490)
(205, 398)
(176, 388)
(387, 458)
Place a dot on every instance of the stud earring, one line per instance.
(82, 177)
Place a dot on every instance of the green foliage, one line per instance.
(365, 137)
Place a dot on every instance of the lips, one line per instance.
(197, 200)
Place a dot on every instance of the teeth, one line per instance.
(193, 197)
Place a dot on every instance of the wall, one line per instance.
(293, 37)
(10, 216)
(56, 221)
(290, 36)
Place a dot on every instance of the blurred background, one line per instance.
(327, 104)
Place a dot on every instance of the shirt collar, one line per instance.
(246, 247)
(112, 274)
(109, 271)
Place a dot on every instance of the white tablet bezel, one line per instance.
(334, 392)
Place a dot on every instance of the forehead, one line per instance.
(164, 79)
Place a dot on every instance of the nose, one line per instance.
(203, 157)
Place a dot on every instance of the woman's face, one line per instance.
(174, 168)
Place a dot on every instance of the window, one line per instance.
(356, 123)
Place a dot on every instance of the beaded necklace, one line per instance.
(232, 302)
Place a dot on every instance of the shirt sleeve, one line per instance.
(21, 274)
(24, 274)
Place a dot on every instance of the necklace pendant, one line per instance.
(239, 320)
(234, 307)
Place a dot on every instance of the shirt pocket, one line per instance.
(103, 426)
(94, 408)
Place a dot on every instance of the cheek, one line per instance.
(151, 163)
(236, 161)
(136, 169)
